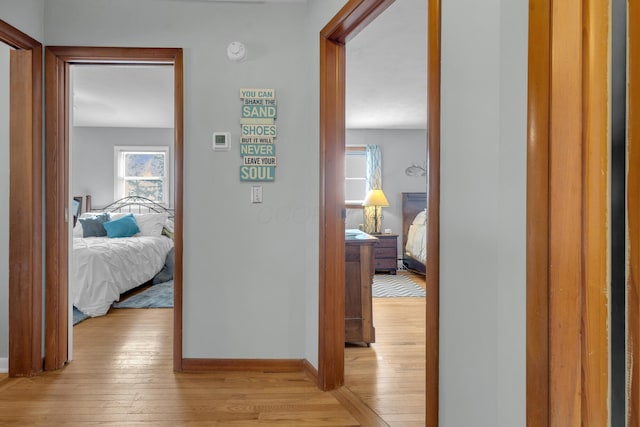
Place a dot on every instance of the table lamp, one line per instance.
(378, 200)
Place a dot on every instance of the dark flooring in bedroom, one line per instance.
(122, 375)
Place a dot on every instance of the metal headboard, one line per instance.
(133, 204)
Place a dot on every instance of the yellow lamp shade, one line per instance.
(375, 198)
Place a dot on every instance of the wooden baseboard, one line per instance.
(255, 365)
(357, 408)
(310, 371)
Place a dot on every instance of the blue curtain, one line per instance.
(374, 167)
(374, 181)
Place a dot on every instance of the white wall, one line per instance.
(4, 204)
(25, 15)
(512, 214)
(399, 149)
(92, 158)
(247, 280)
(483, 190)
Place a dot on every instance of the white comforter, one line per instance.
(416, 242)
(103, 268)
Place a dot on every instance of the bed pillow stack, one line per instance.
(91, 224)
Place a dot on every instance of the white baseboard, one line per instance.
(4, 365)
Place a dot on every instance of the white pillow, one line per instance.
(77, 229)
(90, 214)
(117, 215)
(151, 223)
(421, 218)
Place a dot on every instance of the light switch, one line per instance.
(256, 194)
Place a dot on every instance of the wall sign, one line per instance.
(258, 132)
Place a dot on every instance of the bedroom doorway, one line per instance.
(121, 123)
(352, 18)
(59, 105)
(390, 82)
(24, 284)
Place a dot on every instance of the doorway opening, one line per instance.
(59, 61)
(385, 134)
(121, 148)
(352, 18)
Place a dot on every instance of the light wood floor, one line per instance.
(126, 378)
(389, 376)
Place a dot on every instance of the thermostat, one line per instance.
(221, 141)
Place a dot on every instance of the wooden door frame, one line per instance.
(25, 210)
(57, 62)
(350, 20)
(567, 213)
(633, 219)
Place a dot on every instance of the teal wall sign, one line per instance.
(258, 132)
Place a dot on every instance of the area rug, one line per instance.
(156, 296)
(390, 286)
(78, 316)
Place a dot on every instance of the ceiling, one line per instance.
(386, 79)
(387, 70)
(122, 95)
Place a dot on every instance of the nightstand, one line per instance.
(386, 253)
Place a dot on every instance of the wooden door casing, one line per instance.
(57, 62)
(25, 203)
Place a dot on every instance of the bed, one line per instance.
(414, 229)
(111, 255)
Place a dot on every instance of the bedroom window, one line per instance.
(355, 172)
(142, 171)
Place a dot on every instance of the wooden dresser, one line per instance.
(387, 253)
(359, 270)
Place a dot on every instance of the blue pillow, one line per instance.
(93, 226)
(125, 226)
